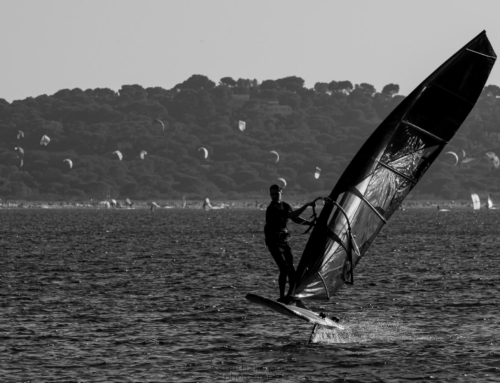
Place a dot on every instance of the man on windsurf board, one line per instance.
(276, 234)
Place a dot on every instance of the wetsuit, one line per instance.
(277, 240)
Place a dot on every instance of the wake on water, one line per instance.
(359, 328)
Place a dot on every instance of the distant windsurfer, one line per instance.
(276, 233)
(206, 204)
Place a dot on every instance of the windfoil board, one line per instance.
(293, 311)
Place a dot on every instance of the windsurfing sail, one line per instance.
(490, 202)
(388, 166)
(476, 203)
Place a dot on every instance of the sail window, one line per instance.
(397, 172)
(377, 210)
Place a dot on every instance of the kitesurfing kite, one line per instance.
(205, 151)
(282, 180)
(317, 172)
(493, 158)
(143, 153)
(468, 160)
(119, 154)
(277, 155)
(160, 122)
(386, 168)
(44, 140)
(490, 156)
(455, 156)
(70, 163)
(20, 152)
(20, 134)
(20, 155)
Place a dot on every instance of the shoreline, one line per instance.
(215, 205)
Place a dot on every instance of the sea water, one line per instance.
(158, 296)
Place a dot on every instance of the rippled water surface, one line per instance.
(135, 295)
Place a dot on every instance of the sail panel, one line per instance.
(467, 86)
(393, 159)
(439, 117)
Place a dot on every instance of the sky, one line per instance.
(49, 45)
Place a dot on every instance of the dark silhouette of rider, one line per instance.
(277, 215)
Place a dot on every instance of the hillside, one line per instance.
(320, 127)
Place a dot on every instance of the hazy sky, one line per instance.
(48, 45)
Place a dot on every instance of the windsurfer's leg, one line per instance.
(277, 254)
(290, 269)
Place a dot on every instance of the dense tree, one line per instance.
(321, 87)
(367, 88)
(228, 81)
(390, 90)
(326, 127)
(291, 83)
(340, 86)
(269, 85)
(196, 82)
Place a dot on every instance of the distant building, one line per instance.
(240, 99)
(270, 107)
(283, 110)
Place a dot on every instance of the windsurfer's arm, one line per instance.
(296, 213)
(301, 221)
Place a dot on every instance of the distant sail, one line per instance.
(388, 166)
(490, 202)
(242, 125)
(476, 203)
(206, 204)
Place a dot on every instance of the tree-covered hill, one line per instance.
(309, 128)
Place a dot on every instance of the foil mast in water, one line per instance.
(388, 166)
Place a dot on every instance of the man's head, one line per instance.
(275, 192)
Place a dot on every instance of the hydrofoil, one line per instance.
(294, 311)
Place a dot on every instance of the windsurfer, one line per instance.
(276, 233)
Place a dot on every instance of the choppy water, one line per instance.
(124, 295)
